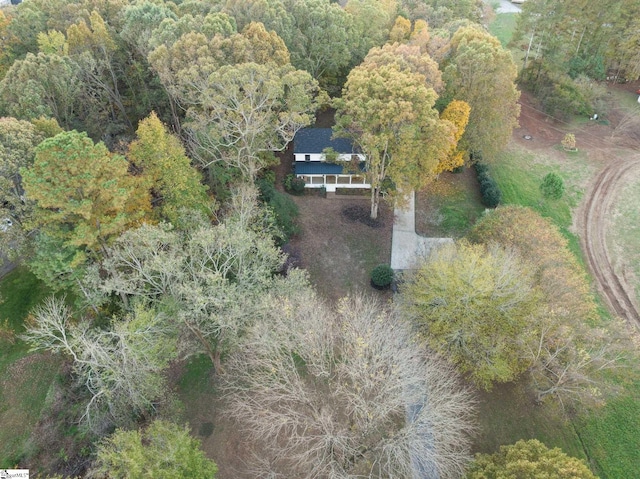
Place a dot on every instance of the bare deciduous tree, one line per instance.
(119, 367)
(567, 359)
(346, 393)
(628, 126)
(209, 277)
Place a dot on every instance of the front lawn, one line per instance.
(449, 206)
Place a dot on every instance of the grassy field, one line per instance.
(25, 378)
(626, 225)
(519, 173)
(507, 414)
(503, 26)
(608, 436)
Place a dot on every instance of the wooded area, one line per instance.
(138, 142)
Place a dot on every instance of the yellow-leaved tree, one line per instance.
(457, 112)
(174, 183)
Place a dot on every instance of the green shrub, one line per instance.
(268, 176)
(552, 186)
(286, 212)
(492, 197)
(489, 189)
(266, 188)
(382, 276)
(294, 185)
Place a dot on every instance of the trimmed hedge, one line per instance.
(489, 189)
(353, 191)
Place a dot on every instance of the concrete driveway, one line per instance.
(408, 247)
(505, 6)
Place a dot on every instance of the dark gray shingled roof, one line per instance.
(314, 140)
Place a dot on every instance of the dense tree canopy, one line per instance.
(480, 72)
(209, 277)
(580, 37)
(18, 141)
(528, 460)
(163, 450)
(250, 109)
(120, 213)
(476, 305)
(43, 85)
(387, 110)
(440, 12)
(176, 186)
(84, 195)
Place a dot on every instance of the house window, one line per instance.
(317, 180)
(343, 180)
(357, 180)
(331, 179)
(307, 157)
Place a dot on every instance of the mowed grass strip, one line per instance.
(503, 27)
(25, 378)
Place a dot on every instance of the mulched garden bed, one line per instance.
(361, 214)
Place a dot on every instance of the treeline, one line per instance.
(574, 44)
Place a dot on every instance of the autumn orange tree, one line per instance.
(570, 346)
(457, 112)
(479, 71)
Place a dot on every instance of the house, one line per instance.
(345, 171)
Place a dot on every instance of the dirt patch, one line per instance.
(611, 149)
(338, 252)
(593, 221)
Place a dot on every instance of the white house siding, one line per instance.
(332, 182)
(320, 157)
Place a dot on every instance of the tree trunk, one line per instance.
(375, 202)
(214, 354)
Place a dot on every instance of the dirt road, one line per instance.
(593, 224)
